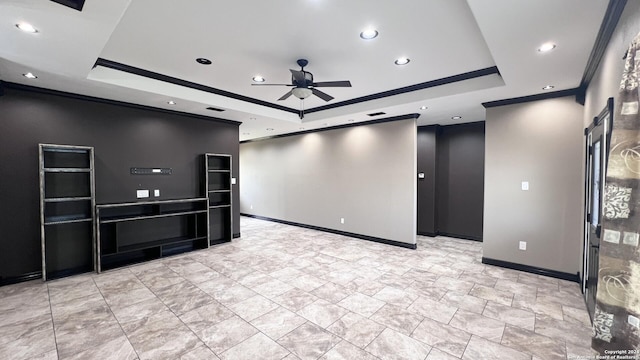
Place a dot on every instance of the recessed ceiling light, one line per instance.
(369, 34)
(203, 61)
(269, 129)
(402, 61)
(258, 78)
(26, 27)
(548, 87)
(546, 47)
(456, 117)
(29, 76)
(423, 107)
(171, 102)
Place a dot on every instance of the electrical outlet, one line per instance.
(251, 207)
(525, 185)
(523, 245)
(142, 194)
(341, 220)
(156, 192)
(233, 181)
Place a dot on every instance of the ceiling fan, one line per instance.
(303, 85)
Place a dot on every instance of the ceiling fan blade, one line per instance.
(272, 85)
(286, 96)
(298, 76)
(345, 83)
(321, 95)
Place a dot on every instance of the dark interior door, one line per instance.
(595, 175)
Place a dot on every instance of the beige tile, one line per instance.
(322, 312)
(117, 349)
(570, 332)
(271, 288)
(356, 329)
(259, 346)
(443, 337)
(309, 341)
(295, 299)
(491, 294)
(453, 284)
(483, 349)
(576, 315)
(395, 296)
(253, 307)
(183, 297)
(346, 351)
(529, 342)
(332, 292)
(433, 309)
(393, 345)
(361, 304)
(397, 318)
(205, 317)
(464, 301)
(436, 354)
(199, 353)
(518, 317)
(538, 306)
(226, 334)
(478, 325)
(278, 322)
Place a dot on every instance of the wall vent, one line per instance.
(377, 113)
(215, 109)
(74, 4)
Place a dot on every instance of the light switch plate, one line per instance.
(156, 192)
(525, 185)
(420, 175)
(523, 245)
(233, 181)
(142, 194)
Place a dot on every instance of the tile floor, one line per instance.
(283, 292)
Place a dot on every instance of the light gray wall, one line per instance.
(539, 142)
(606, 81)
(364, 174)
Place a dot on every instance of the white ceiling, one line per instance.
(442, 38)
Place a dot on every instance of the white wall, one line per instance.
(364, 174)
(539, 142)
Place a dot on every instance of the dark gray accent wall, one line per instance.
(426, 145)
(460, 180)
(451, 195)
(123, 137)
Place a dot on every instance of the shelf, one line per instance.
(152, 202)
(64, 149)
(219, 206)
(113, 219)
(67, 170)
(219, 171)
(66, 199)
(57, 220)
(152, 244)
(219, 191)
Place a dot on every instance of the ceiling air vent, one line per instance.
(74, 4)
(215, 109)
(377, 113)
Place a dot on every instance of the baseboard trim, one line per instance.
(463, 237)
(333, 231)
(533, 269)
(236, 235)
(425, 233)
(21, 278)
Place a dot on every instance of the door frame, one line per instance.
(605, 148)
